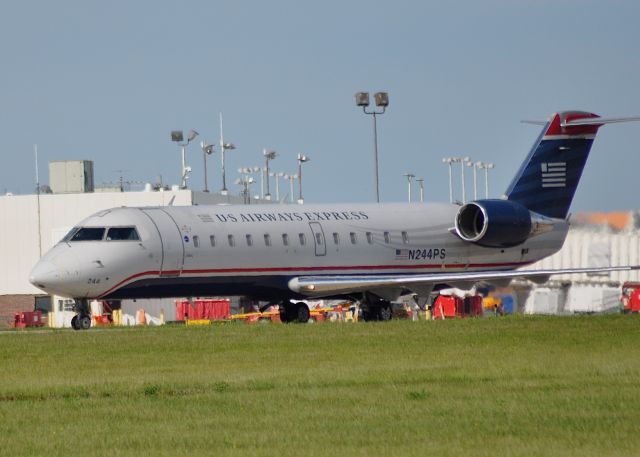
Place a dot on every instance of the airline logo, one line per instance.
(554, 174)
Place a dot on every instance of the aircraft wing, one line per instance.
(332, 285)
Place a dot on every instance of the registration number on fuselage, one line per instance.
(421, 254)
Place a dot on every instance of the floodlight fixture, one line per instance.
(362, 99)
(382, 99)
(192, 136)
(176, 135)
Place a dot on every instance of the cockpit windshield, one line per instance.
(70, 234)
(88, 234)
(123, 233)
(98, 234)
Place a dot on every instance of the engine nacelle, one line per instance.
(494, 223)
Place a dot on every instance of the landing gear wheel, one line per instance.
(302, 313)
(85, 322)
(385, 313)
(74, 322)
(285, 316)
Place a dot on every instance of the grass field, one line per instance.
(477, 387)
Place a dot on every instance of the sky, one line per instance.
(108, 81)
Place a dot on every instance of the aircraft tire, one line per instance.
(84, 322)
(302, 313)
(284, 315)
(385, 312)
(74, 322)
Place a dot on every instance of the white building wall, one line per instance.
(585, 247)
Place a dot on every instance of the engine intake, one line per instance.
(494, 223)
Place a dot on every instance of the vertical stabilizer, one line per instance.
(548, 178)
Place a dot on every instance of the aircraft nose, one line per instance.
(44, 275)
(57, 274)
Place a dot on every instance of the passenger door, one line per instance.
(318, 238)
(170, 240)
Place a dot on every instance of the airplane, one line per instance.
(370, 253)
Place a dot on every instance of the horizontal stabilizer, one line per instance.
(598, 121)
(318, 286)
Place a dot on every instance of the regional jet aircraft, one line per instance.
(372, 253)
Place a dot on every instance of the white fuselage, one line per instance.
(255, 250)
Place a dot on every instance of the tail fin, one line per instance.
(548, 178)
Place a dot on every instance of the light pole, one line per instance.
(475, 182)
(463, 163)
(245, 181)
(382, 100)
(409, 177)
(268, 155)
(487, 167)
(207, 149)
(277, 175)
(301, 159)
(223, 147)
(449, 161)
(176, 135)
(261, 171)
(291, 178)
(420, 182)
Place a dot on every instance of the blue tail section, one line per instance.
(548, 178)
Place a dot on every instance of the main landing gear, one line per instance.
(375, 308)
(294, 312)
(82, 320)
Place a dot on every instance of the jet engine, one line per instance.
(494, 223)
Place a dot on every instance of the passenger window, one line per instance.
(405, 237)
(122, 233)
(387, 238)
(319, 239)
(196, 241)
(249, 240)
(267, 239)
(212, 240)
(285, 239)
(89, 234)
(232, 241)
(302, 238)
(336, 238)
(369, 238)
(353, 237)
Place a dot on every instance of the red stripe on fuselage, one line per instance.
(307, 269)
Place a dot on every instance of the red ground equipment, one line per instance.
(28, 319)
(203, 309)
(631, 297)
(449, 306)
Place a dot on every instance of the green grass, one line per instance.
(485, 387)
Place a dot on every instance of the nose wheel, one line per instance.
(82, 320)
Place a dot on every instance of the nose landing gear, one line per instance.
(82, 320)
